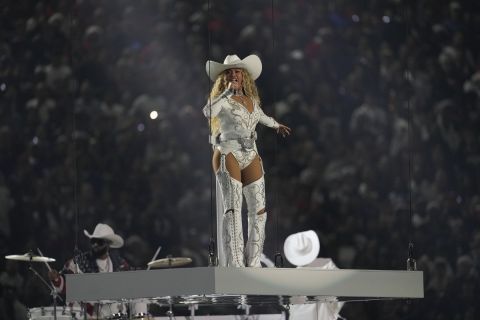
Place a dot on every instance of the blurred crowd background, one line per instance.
(383, 98)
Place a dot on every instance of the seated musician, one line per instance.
(98, 259)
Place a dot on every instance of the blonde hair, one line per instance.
(220, 85)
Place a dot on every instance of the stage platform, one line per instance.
(220, 285)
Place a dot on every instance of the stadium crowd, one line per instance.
(383, 98)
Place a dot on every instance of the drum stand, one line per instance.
(192, 308)
(53, 291)
(169, 313)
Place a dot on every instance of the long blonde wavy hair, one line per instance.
(220, 85)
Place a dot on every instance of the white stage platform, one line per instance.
(217, 285)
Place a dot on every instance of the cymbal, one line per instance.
(169, 262)
(29, 257)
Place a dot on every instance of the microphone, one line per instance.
(227, 91)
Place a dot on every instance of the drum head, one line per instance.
(47, 313)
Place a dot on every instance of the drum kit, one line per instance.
(108, 310)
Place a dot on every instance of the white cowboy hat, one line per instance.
(251, 63)
(104, 231)
(302, 248)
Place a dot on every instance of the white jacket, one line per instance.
(236, 122)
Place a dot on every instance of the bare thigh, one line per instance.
(253, 172)
(230, 162)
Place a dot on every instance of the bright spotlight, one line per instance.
(153, 115)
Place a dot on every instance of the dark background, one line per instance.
(380, 95)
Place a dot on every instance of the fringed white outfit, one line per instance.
(237, 136)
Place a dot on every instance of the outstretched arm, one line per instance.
(270, 122)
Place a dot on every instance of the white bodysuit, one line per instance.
(237, 127)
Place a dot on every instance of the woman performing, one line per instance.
(234, 111)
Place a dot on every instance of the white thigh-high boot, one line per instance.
(232, 219)
(255, 197)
